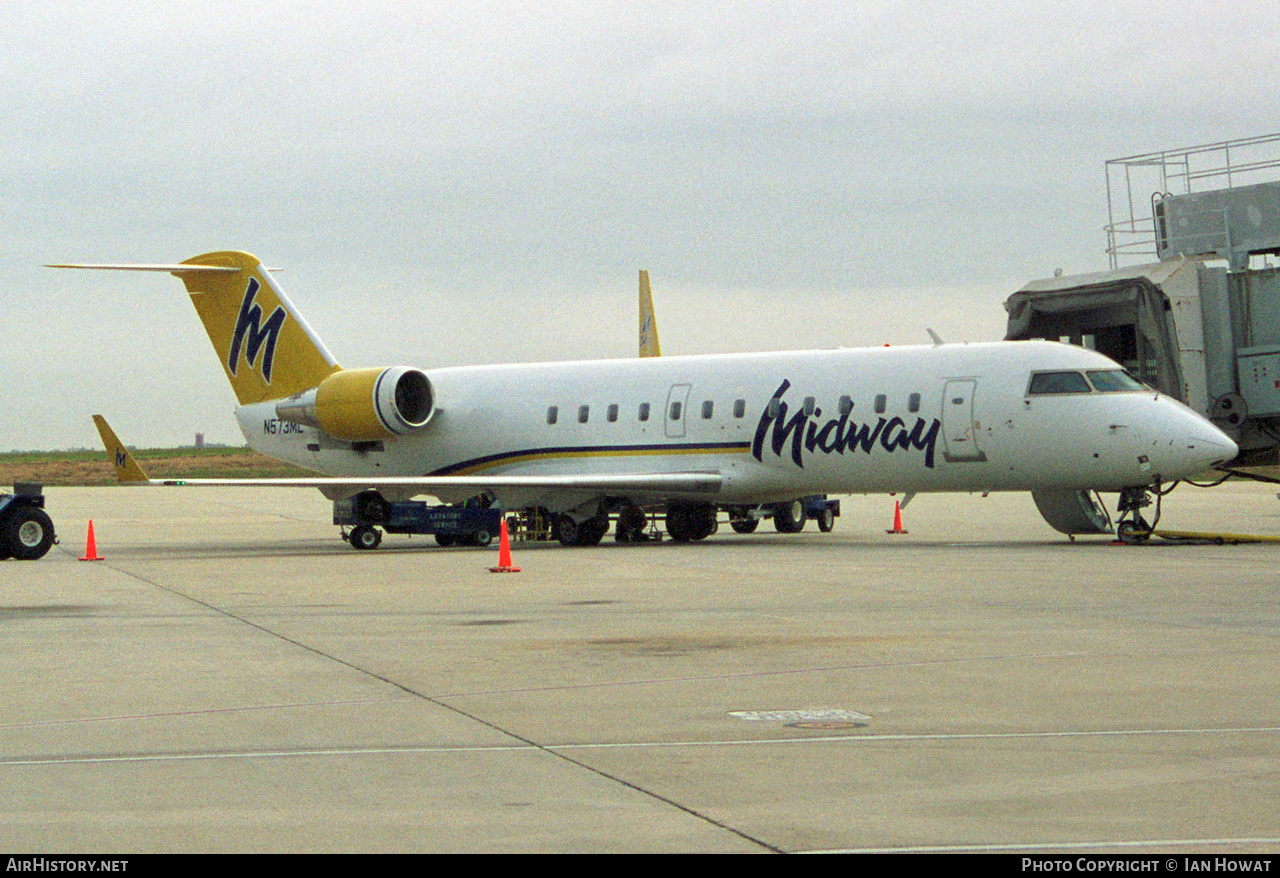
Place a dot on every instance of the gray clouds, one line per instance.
(472, 181)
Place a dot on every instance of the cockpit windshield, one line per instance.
(1115, 381)
(1057, 382)
(1100, 381)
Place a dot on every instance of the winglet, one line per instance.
(648, 322)
(127, 469)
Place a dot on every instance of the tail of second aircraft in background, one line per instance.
(648, 323)
(127, 469)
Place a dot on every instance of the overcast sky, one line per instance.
(449, 183)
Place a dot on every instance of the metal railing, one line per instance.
(1131, 226)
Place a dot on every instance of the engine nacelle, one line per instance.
(364, 405)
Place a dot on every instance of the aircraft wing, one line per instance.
(689, 482)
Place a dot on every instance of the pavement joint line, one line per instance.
(559, 749)
(656, 796)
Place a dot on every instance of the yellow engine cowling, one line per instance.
(364, 405)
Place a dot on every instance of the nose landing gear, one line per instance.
(1132, 527)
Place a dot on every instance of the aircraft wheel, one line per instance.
(788, 518)
(678, 523)
(567, 531)
(592, 531)
(702, 521)
(365, 537)
(481, 538)
(741, 521)
(1132, 532)
(28, 534)
(827, 520)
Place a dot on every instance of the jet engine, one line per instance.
(364, 405)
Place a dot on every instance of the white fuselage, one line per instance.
(952, 417)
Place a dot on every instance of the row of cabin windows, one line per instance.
(810, 405)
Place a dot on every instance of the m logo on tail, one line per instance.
(261, 336)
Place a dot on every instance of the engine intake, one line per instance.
(364, 405)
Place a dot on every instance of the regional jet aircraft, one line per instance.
(694, 434)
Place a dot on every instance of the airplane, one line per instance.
(696, 434)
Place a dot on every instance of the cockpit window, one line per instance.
(1058, 382)
(1115, 381)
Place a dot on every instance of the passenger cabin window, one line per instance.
(913, 403)
(675, 411)
(775, 407)
(612, 414)
(881, 403)
(1057, 382)
(739, 408)
(584, 412)
(708, 407)
(553, 413)
(644, 411)
(809, 405)
(1115, 381)
(846, 405)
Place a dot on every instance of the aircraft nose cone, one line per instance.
(1213, 450)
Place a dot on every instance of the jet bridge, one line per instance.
(1199, 317)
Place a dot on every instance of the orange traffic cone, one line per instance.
(504, 553)
(91, 546)
(897, 520)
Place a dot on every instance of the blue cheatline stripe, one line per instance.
(479, 464)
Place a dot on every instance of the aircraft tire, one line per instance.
(678, 523)
(365, 537)
(788, 518)
(827, 520)
(567, 531)
(592, 531)
(741, 521)
(702, 521)
(28, 533)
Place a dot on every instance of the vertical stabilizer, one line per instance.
(127, 469)
(648, 323)
(266, 349)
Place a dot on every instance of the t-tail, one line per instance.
(266, 349)
(271, 355)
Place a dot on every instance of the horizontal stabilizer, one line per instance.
(172, 269)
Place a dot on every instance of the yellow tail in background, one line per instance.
(649, 346)
(267, 350)
(127, 469)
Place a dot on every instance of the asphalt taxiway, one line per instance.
(232, 677)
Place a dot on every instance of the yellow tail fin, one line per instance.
(127, 469)
(649, 346)
(267, 350)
